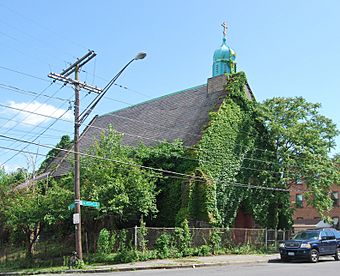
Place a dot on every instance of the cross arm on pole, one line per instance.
(82, 85)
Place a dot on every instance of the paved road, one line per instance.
(324, 267)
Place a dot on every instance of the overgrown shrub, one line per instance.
(126, 256)
(142, 233)
(121, 238)
(104, 242)
(163, 245)
(215, 240)
(112, 241)
(203, 250)
(182, 238)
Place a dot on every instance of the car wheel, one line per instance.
(337, 255)
(314, 256)
(284, 258)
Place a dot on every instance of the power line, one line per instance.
(142, 137)
(40, 41)
(31, 102)
(146, 167)
(29, 124)
(29, 92)
(121, 86)
(181, 157)
(34, 113)
(24, 74)
(9, 159)
(30, 134)
(129, 104)
(25, 54)
(27, 152)
(43, 26)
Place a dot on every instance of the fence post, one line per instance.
(136, 237)
(275, 238)
(266, 238)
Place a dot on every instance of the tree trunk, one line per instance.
(31, 238)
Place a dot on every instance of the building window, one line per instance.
(335, 198)
(299, 201)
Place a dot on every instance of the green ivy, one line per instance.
(231, 153)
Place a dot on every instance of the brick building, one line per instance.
(306, 216)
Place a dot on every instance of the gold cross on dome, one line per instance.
(225, 28)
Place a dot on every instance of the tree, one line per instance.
(28, 210)
(111, 176)
(302, 139)
(64, 143)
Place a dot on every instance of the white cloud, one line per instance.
(40, 108)
(10, 168)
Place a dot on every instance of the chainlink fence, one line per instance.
(230, 237)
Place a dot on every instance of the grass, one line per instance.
(16, 262)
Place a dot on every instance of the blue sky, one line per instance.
(286, 48)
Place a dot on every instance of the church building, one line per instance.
(186, 116)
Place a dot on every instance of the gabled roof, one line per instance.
(181, 115)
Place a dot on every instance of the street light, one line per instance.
(95, 101)
(140, 55)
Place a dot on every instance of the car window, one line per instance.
(307, 235)
(330, 234)
(323, 234)
(337, 234)
(334, 233)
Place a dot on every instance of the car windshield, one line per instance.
(308, 235)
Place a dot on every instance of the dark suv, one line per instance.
(311, 244)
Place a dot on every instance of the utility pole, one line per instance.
(75, 67)
(77, 163)
(79, 118)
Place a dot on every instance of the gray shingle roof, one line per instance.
(181, 115)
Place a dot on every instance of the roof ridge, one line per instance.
(156, 99)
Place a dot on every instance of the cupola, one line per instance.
(224, 57)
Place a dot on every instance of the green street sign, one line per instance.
(71, 206)
(86, 203)
(90, 203)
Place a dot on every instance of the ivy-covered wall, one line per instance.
(235, 153)
(233, 162)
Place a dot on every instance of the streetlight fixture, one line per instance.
(140, 55)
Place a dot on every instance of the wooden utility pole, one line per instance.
(77, 163)
(75, 67)
(79, 118)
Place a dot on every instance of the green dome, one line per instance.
(224, 53)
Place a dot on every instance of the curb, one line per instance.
(125, 269)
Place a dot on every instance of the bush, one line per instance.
(215, 241)
(163, 246)
(126, 256)
(121, 237)
(142, 233)
(112, 241)
(182, 238)
(203, 250)
(104, 243)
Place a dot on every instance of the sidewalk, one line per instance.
(189, 262)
